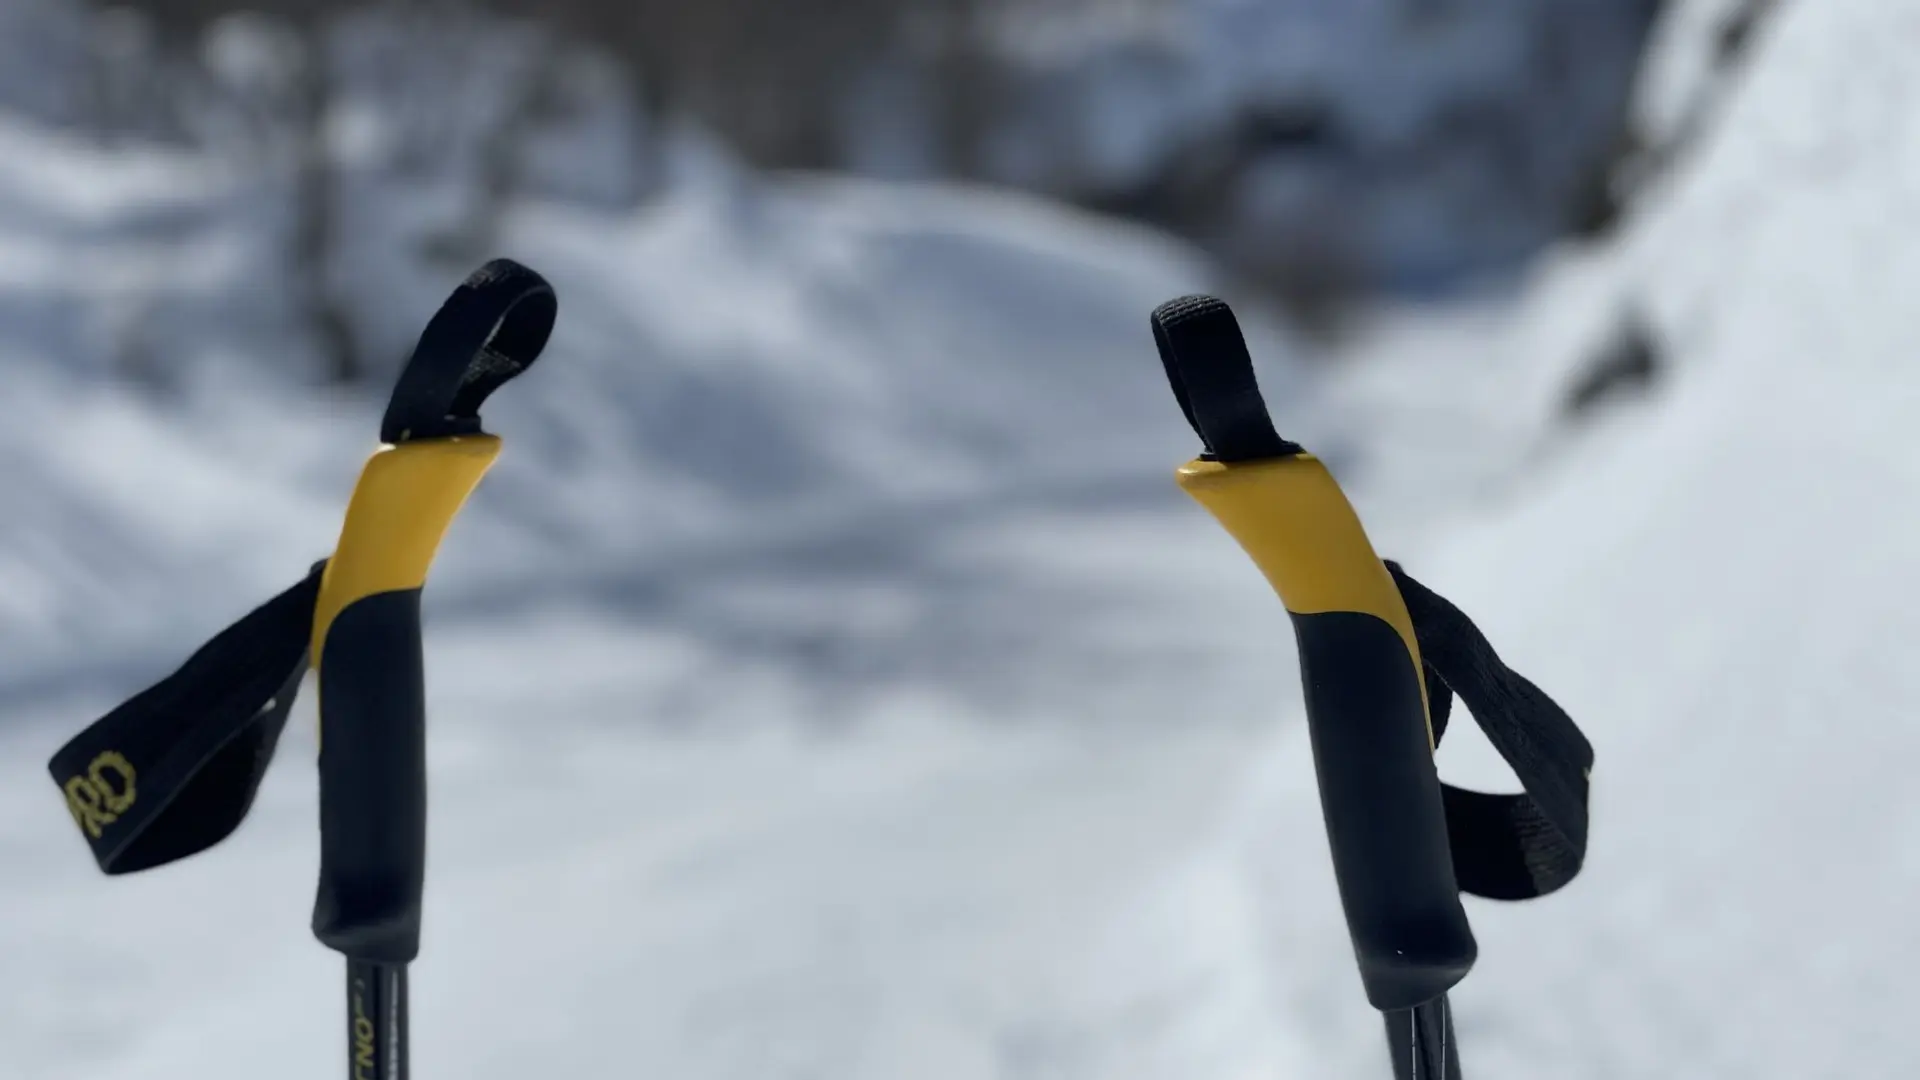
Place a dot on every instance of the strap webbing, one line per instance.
(1505, 847)
(1212, 377)
(488, 332)
(174, 770)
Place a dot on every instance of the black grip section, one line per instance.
(1380, 795)
(373, 781)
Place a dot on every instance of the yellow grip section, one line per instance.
(1296, 524)
(406, 498)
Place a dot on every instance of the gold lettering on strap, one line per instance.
(100, 795)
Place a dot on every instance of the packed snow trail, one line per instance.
(900, 902)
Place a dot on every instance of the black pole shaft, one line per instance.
(376, 1021)
(1421, 1042)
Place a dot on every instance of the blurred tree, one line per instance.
(772, 75)
(179, 28)
(1309, 173)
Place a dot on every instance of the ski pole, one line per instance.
(174, 769)
(366, 646)
(1380, 658)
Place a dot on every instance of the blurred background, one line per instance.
(830, 681)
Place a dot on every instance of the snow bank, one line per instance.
(1717, 585)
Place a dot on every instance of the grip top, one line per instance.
(406, 499)
(1366, 717)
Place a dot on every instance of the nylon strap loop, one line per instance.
(1505, 847)
(1211, 372)
(173, 771)
(488, 332)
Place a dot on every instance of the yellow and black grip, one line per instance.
(1366, 695)
(365, 644)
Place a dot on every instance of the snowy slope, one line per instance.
(1731, 576)
(950, 883)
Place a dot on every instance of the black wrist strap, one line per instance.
(173, 771)
(1505, 847)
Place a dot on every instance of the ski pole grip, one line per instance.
(367, 652)
(1359, 661)
(1366, 718)
(366, 644)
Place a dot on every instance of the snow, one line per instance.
(974, 757)
(809, 631)
(786, 901)
(1735, 562)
